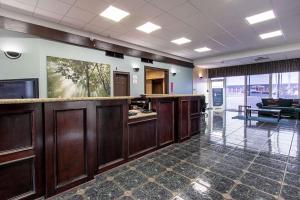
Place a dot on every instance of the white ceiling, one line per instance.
(217, 24)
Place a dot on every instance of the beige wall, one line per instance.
(200, 85)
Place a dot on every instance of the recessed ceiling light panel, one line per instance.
(271, 34)
(203, 49)
(264, 16)
(148, 27)
(114, 13)
(181, 41)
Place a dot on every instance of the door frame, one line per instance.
(166, 71)
(128, 80)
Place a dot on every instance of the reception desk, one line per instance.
(50, 145)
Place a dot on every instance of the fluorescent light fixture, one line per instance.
(148, 27)
(181, 41)
(270, 34)
(114, 13)
(203, 49)
(264, 16)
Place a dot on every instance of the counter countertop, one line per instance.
(140, 114)
(47, 100)
(171, 95)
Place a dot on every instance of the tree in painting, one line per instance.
(73, 78)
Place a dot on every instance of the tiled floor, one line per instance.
(232, 160)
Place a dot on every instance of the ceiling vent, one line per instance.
(146, 60)
(114, 54)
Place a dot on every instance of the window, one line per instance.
(258, 87)
(285, 85)
(235, 89)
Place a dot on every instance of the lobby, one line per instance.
(150, 99)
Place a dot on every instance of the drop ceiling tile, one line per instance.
(148, 11)
(71, 2)
(129, 5)
(94, 6)
(100, 22)
(29, 2)
(53, 6)
(75, 23)
(17, 6)
(47, 15)
(166, 4)
(183, 11)
(82, 15)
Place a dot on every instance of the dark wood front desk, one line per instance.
(48, 146)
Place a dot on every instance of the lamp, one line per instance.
(173, 72)
(12, 54)
(135, 67)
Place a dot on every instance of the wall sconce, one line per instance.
(135, 67)
(173, 72)
(12, 54)
(200, 75)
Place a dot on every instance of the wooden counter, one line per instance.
(50, 145)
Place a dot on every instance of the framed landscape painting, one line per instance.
(75, 78)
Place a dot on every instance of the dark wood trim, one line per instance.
(61, 36)
(167, 74)
(122, 73)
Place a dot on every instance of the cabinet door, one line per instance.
(184, 122)
(21, 144)
(165, 111)
(68, 152)
(195, 109)
(111, 120)
(142, 136)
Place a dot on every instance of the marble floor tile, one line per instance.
(235, 162)
(172, 181)
(290, 193)
(197, 191)
(167, 161)
(150, 169)
(265, 171)
(216, 182)
(152, 191)
(106, 190)
(261, 183)
(270, 163)
(188, 170)
(243, 192)
(227, 171)
(130, 179)
(292, 179)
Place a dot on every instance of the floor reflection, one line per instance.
(231, 159)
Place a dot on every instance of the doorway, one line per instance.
(121, 83)
(156, 80)
(217, 96)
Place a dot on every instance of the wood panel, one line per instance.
(142, 136)
(111, 133)
(195, 125)
(61, 36)
(21, 144)
(195, 110)
(17, 179)
(15, 125)
(184, 124)
(68, 158)
(165, 124)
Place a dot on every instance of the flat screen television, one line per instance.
(19, 88)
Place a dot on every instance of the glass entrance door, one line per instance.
(217, 94)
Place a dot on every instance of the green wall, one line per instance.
(32, 64)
